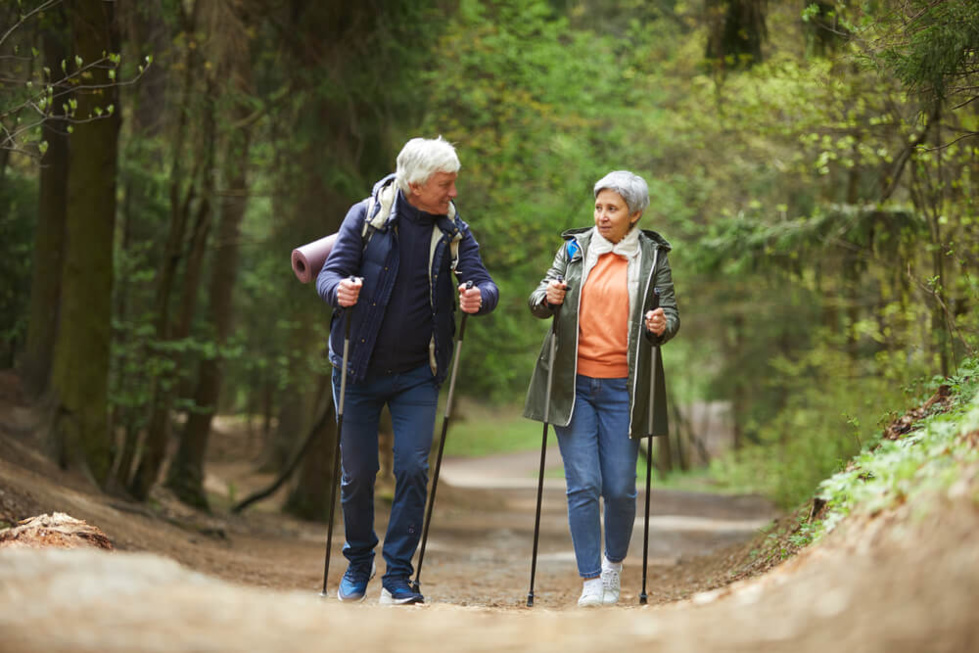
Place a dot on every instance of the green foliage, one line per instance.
(937, 44)
(521, 92)
(18, 206)
(822, 212)
(142, 226)
(816, 430)
(30, 94)
(926, 461)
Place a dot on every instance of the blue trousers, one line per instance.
(599, 461)
(412, 399)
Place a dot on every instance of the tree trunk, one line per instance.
(310, 498)
(158, 429)
(198, 241)
(823, 32)
(79, 428)
(736, 31)
(49, 239)
(202, 223)
(187, 471)
(739, 399)
(147, 25)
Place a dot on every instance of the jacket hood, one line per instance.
(648, 233)
(385, 181)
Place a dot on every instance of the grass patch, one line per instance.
(476, 430)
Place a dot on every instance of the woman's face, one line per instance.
(612, 216)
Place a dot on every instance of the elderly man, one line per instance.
(390, 274)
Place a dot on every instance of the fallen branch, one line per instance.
(325, 414)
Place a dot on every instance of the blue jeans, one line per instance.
(412, 399)
(599, 461)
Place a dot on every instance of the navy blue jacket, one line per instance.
(377, 264)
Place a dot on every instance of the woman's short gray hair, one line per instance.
(420, 158)
(631, 187)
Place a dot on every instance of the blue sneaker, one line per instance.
(353, 585)
(397, 591)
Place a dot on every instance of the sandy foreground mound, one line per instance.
(894, 583)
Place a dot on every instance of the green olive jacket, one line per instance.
(654, 272)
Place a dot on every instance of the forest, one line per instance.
(814, 164)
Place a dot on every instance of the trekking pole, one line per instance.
(438, 459)
(654, 356)
(543, 451)
(336, 450)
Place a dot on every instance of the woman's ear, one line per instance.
(634, 218)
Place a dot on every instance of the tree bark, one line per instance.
(79, 427)
(187, 471)
(145, 24)
(310, 498)
(158, 429)
(736, 31)
(49, 240)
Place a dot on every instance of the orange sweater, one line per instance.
(603, 320)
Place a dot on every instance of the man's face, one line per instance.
(433, 196)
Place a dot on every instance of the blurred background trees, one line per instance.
(813, 163)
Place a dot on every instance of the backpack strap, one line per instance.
(376, 221)
(454, 243)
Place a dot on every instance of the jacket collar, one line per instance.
(583, 236)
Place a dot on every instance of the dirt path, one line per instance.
(479, 547)
(480, 554)
(180, 581)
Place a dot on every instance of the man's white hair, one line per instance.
(420, 158)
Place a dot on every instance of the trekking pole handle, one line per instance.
(462, 324)
(346, 330)
(456, 355)
(555, 307)
(653, 306)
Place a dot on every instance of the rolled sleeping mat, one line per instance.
(308, 260)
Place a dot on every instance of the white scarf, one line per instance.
(627, 248)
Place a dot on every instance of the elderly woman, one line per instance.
(616, 301)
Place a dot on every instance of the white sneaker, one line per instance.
(611, 581)
(591, 593)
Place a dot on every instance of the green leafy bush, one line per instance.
(928, 459)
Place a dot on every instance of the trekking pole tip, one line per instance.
(530, 600)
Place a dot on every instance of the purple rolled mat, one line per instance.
(308, 260)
